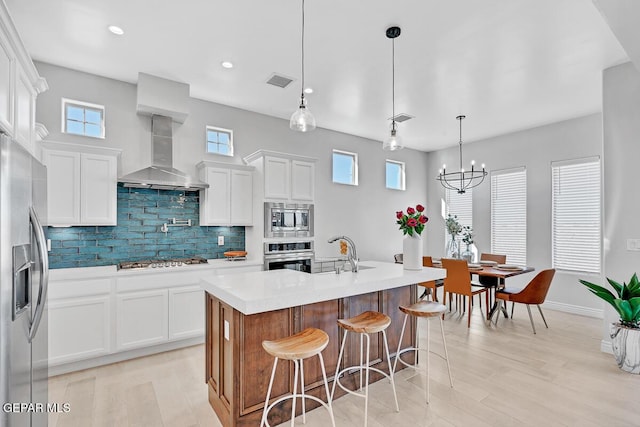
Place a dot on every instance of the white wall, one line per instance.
(621, 125)
(365, 213)
(534, 149)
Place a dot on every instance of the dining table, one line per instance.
(501, 272)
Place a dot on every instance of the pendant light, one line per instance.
(462, 180)
(393, 141)
(302, 120)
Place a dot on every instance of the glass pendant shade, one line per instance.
(393, 141)
(302, 120)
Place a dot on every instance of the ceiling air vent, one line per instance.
(279, 80)
(402, 117)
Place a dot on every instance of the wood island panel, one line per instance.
(238, 369)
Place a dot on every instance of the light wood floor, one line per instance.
(503, 376)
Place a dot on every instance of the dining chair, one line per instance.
(534, 293)
(432, 286)
(458, 281)
(491, 283)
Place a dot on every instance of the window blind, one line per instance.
(460, 205)
(509, 214)
(576, 221)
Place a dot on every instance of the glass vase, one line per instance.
(453, 249)
(470, 253)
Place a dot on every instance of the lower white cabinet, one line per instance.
(186, 312)
(142, 319)
(108, 316)
(79, 328)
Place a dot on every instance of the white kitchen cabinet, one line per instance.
(229, 198)
(79, 328)
(98, 189)
(81, 185)
(99, 315)
(302, 180)
(24, 112)
(79, 319)
(19, 85)
(7, 87)
(186, 312)
(277, 177)
(284, 177)
(141, 318)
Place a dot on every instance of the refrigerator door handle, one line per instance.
(41, 243)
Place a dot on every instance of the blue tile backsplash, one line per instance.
(138, 235)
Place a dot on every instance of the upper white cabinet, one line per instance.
(229, 198)
(302, 177)
(81, 184)
(19, 85)
(285, 177)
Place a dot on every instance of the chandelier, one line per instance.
(462, 180)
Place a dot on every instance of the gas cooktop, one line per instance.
(160, 263)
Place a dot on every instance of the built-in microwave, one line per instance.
(288, 220)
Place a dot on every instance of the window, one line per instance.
(460, 205)
(576, 235)
(345, 167)
(82, 118)
(395, 175)
(509, 214)
(219, 141)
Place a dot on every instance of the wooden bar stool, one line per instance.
(369, 322)
(426, 309)
(297, 347)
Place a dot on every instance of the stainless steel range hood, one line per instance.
(161, 174)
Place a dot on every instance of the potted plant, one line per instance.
(625, 335)
(412, 224)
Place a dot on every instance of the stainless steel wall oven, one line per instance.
(288, 255)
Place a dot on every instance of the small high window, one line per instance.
(82, 118)
(345, 167)
(395, 175)
(219, 141)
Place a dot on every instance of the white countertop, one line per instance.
(258, 292)
(112, 270)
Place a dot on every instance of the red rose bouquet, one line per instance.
(413, 221)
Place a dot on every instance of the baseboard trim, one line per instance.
(80, 365)
(605, 347)
(574, 309)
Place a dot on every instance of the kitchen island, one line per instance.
(244, 309)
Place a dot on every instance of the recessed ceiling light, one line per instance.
(227, 64)
(116, 30)
(308, 90)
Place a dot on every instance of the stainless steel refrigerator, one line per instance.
(24, 275)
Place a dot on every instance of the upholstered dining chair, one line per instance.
(432, 286)
(458, 281)
(534, 293)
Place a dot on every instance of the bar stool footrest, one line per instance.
(295, 396)
(357, 368)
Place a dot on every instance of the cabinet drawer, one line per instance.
(78, 288)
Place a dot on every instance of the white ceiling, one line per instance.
(506, 64)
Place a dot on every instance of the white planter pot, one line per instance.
(412, 252)
(626, 347)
